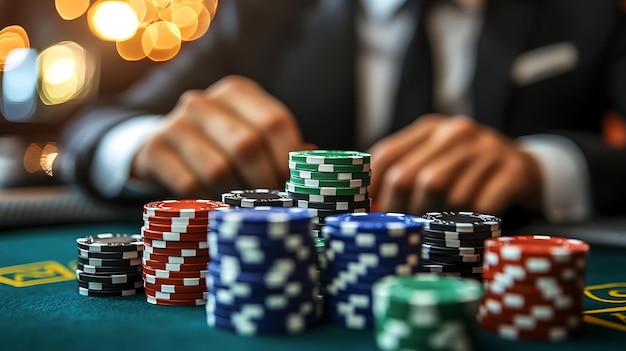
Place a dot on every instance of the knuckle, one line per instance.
(397, 179)
(246, 143)
(233, 83)
(216, 170)
(184, 185)
(191, 98)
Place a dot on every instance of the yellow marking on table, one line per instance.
(36, 273)
(615, 290)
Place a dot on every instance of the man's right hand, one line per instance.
(233, 135)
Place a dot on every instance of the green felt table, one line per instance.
(40, 307)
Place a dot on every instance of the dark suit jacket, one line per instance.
(303, 52)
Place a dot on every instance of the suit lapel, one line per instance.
(506, 26)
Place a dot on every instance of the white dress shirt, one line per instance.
(384, 32)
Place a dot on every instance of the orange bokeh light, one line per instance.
(12, 38)
(71, 9)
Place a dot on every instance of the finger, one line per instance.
(265, 114)
(434, 180)
(387, 151)
(241, 144)
(203, 158)
(499, 189)
(464, 190)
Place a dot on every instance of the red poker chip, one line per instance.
(541, 316)
(163, 302)
(176, 259)
(175, 220)
(182, 208)
(174, 281)
(174, 266)
(564, 276)
(513, 248)
(177, 228)
(176, 252)
(175, 289)
(507, 331)
(162, 273)
(172, 236)
(162, 244)
(177, 296)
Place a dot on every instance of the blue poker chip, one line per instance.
(273, 305)
(262, 214)
(262, 263)
(388, 249)
(289, 241)
(371, 259)
(270, 279)
(248, 327)
(370, 239)
(370, 273)
(274, 230)
(245, 289)
(393, 224)
(354, 321)
(461, 221)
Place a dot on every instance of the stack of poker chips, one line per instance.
(534, 287)
(262, 274)
(109, 265)
(329, 182)
(257, 197)
(360, 249)
(176, 251)
(426, 312)
(454, 242)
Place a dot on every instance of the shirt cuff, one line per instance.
(566, 188)
(110, 171)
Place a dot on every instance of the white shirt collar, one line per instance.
(383, 10)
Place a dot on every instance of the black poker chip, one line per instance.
(477, 258)
(453, 243)
(108, 279)
(109, 242)
(461, 221)
(448, 235)
(110, 287)
(334, 205)
(100, 262)
(328, 198)
(448, 268)
(127, 255)
(257, 197)
(452, 250)
(109, 293)
(98, 270)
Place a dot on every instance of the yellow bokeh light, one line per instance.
(12, 38)
(131, 50)
(161, 41)
(113, 20)
(32, 157)
(63, 71)
(71, 9)
(48, 155)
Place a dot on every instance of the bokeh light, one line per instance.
(12, 38)
(113, 20)
(147, 28)
(65, 71)
(19, 85)
(48, 155)
(71, 9)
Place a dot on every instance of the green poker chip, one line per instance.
(329, 168)
(352, 183)
(331, 157)
(329, 176)
(295, 188)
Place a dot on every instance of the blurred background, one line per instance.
(58, 55)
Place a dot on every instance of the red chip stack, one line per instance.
(176, 251)
(534, 287)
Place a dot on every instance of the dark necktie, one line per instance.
(414, 96)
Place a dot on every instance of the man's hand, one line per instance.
(440, 163)
(233, 135)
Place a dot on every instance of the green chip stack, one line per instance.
(329, 182)
(426, 312)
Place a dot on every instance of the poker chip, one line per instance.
(362, 248)
(108, 293)
(109, 255)
(534, 287)
(329, 176)
(445, 306)
(176, 250)
(107, 270)
(336, 205)
(461, 222)
(111, 279)
(257, 197)
(335, 157)
(454, 242)
(182, 208)
(319, 183)
(108, 242)
(262, 275)
(329, 168)
(110, 287)
(328, 198)
(325, 190)
(100, 262)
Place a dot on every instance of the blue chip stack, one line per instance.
(360, 249)
(262, 275)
